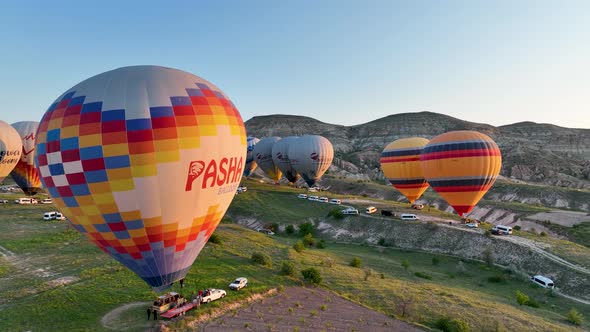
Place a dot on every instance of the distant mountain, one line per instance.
(532, 152)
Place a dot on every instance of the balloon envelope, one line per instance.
(461, 166)
(250, 162)
(400, 162)
(11, 148)
(144, 161)
(280, 156)
(25, 173)
(263, 157)
(311, 157)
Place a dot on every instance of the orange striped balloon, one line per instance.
(461, 166)
(400, 162)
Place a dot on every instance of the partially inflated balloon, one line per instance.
(25, 173)
(280, 156)
(400, 162)
(263, 157)
(250, 162)
(311, 157)
(10, 149)
(144, 161)
(461, 166)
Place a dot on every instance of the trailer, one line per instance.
(179, 311)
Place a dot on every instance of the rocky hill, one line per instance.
(539, 153)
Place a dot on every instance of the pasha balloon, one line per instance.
(263, 157)
(400, 162)
(25, 173)
(250, 162)
(144, 161)
(311, 157)
(461, 166)
(10, 149)
(280, 157)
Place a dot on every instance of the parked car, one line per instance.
(46, 201)
(350, 211)
(335, 201)
(25, 200)
(543, 281)
(265, 231)
(313, 198)
(239, 283)
(323, 199)
(409, 216)
(501, 230)
(472, 225)
(3, 201)
(212, 294)
(417, 206)
(370, 209)
(304, 196)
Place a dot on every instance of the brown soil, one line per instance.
(305, 309)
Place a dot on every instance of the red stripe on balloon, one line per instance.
(460, 154)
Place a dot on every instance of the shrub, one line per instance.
(543, 234)
(308, 240)
(288, 268)
(532, 303)
(574, 317)
(320, 244)
(435, 260)
(406, 264)
(298, 246)
(423, 275)
(488, 256)
(517, 228)
(381, 242)
(305, 228)
(290, 229)
(445, 324)
(336, 213)
(356, 262)
(274, 227)
(521, 297)
(262, 259)
(488, 233)
(312, 275)
(214, 238)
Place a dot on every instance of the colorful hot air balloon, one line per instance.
(10, 149)
(400, 162)
(263, 157)
(250, 162)
(311, 157)
(25, 173)
(144, 161)
(461, 166)
(280, 156)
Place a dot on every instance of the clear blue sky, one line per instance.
(345, 62)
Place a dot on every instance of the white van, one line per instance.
(47, 201)
(370, 209)
(350, 211)
(500, 229)
(25, 200)
(409, 216)
(335, 201)
(49, 215)
(543, 281)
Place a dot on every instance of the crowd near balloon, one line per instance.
(145, 160)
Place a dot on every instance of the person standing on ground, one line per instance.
(155, 315)
(149, 312)
(182, 283)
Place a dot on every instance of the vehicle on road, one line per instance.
(472, 225)
(350, 211)
(168, 301)
(323, 199)
(53, 215)
(265, 231)
(313, 198)
(239, 283)
(501, 230)
(543, 281)
(304, 196)
(213, 294)
(46, 201)
(335, 201)
(370, 209)
(409, 216)
(417, 206)
(3, 201)
(25, 200)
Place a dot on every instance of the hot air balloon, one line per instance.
(250, 162)
(461, 166)
(311, 157)
(280, 156)
(25, 173)
(10, 149)
(400, 162)
(263, 157)
(144, 161)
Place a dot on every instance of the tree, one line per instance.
(308, 240)
(305, 228)
(488, 256)
(574, 317)
(435, 260)
(262, 259)
(356, 262)
(288, 268)
(312, 275)
(214, 238)
(298, 246)
(406, 264)
(290, 229)
(521, 298)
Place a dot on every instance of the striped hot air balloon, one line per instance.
(400, 162)
(461, 166)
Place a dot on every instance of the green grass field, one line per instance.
(47, 251)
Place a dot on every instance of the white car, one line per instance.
(239, 283)
(265, 231)
(313, 198)
(304, 196)
(212, 294)
(335, 201)
(46, 201)
(472, 225)
(3, 201)
(350, 211)
(323, 199)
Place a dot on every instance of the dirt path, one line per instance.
(115, 319)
